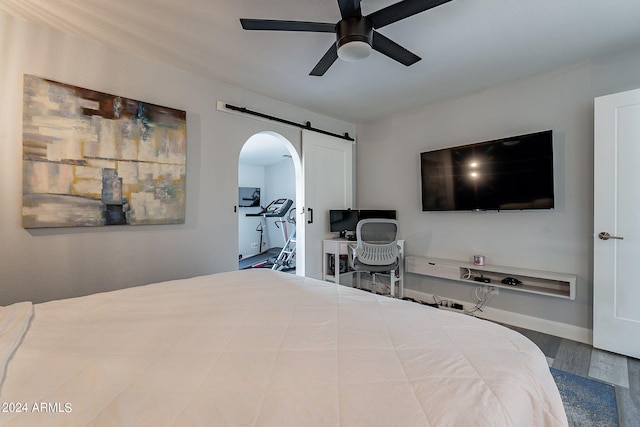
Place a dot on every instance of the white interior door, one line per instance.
(616, 317)
(327, 163)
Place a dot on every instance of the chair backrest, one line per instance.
(377, 241)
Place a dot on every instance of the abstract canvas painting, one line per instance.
(94, 159)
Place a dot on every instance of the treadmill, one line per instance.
(266, 259)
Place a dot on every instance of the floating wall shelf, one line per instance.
(548, 283)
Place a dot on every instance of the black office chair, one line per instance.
(377, 249)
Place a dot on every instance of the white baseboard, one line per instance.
(562, 330)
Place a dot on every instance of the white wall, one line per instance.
(250, 176)
(46, 264)
(280, 183)
(558, 240)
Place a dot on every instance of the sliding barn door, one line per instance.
(328, 181)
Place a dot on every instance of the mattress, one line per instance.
(265, 348)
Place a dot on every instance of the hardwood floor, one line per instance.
(582, 359)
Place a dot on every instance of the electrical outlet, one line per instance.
(492, 289)
(254, 246)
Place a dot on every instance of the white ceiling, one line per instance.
(466, 45)
(263, 150)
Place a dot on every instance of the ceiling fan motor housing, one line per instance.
(354, 38)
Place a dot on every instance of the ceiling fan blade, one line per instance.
(325, 62)
(350, 9)
(277, 25)
(393, 50)
(401, 10)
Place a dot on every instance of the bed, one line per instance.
(265, 348)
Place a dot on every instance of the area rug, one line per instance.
(587, 402)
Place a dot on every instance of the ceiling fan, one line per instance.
(356, 35)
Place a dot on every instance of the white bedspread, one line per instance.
(264, 348)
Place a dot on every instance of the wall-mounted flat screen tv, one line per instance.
(248, 197)
(506, 174)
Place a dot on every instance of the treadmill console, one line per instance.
(278, 208)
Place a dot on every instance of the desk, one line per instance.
(333, 248)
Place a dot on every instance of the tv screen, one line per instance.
(343, 220)
(505, 174)
(248, 197)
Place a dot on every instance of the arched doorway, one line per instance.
(270, 164)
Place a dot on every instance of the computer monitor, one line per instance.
(343, 221)
(379, 213)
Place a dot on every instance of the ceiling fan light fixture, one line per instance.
(353, 39)
(354, 51)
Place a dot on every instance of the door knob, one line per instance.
(603, 235)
